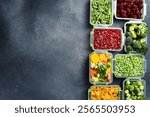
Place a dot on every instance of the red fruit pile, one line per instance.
(129, 8)
(107, 39)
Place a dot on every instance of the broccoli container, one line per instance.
(107, 39)
(130, 9)
(100, 68)
(101, 12)
(104, 92)
(134, 89)
(136, 37)
(129, 65)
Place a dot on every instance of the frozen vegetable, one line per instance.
(105, 93)
(100, 68)
(129, 66)
(107, 39)
(129, 9)
(134, 90)
(101, 12)
(136, 38)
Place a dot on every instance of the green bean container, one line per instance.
(104, 15)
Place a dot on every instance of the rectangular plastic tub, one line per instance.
(111, 76)
(144, 65)
(133, 79)
(104, 50)
(125, 29)
(97, 25)
(144, 12)
(105, 86)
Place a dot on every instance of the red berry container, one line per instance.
(130, 9)
(105, 39)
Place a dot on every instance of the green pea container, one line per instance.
(143, 66)
(133, 79)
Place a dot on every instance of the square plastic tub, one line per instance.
(125, 29)
(111, 76)
(105, 86)
(97, 25)
(104, 50)
(144, 12)
(144, 65)
(133, 79)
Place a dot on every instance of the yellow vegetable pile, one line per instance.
(104, 93)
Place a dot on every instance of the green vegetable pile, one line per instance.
(135, 38)
(134, 90)
(129, 66)
(101, 12)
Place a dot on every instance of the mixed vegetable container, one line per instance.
(132, 65)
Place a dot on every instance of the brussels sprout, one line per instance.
(128, 40)
(136, 44)
(142, 30)
(133, 34)
(129, 49)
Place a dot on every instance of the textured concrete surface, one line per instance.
(44, 48)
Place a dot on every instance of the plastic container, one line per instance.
(133, 79)
(100, 83)
(119, 91)
(144, 12)
(97, 25)
(144, 65)
(125, 29)
(102, 50)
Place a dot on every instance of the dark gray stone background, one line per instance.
(44, 48)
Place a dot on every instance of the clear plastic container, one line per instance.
(144, 12)
(119, 93)
(144, 65)
(101, 83)
(125, 29)
(133, 79)
(105, 50)
(97, 25)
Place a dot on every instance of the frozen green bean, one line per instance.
(101, 12)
